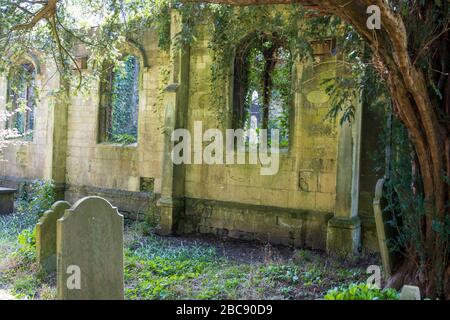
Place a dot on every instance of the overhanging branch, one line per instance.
(46, 12)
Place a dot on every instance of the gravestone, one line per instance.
(384, 231)
(410, 293)
(90, 252)
(46, 235)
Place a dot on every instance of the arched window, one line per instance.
(21, 99)
(119, 103)
(262, 85)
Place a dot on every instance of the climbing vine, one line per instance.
(235, 27)
(123, 122)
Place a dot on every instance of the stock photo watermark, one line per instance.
(190, 149)
(74, 279)
(375, 276)
(374, 20)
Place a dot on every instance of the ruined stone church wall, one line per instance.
(290, 207)
(32, 160)
(65, 145)
(116, 171)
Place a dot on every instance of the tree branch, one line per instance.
(46, 12)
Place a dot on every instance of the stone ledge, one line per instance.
(344, 223)
(135, 203)
(287, 226)
(19, 182)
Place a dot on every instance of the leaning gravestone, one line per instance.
(90, 252)
(384, 231)
(46, 235)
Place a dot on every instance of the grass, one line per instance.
(158, 268)
(19, 272)
(189, 268)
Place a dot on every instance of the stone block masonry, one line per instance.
(317, 186)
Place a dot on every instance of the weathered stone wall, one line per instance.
(292, 207)
(33, 160)
(295, 227)
(306, 181)
(65, 144)
(114, 166)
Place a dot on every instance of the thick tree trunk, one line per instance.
(414, 107)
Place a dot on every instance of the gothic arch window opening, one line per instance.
(21, 100)
(119, 107)
(262, 86)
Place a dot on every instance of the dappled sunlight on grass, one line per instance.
(193, 268)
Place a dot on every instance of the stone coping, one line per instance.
(7, 190)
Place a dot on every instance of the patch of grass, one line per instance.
(168, 268)
(158, 269)
(361, 291)
(287, 273)
(34, 199)
(153, 267)
(12, 225)
(152, 278)
(19, 272)
(25, 287)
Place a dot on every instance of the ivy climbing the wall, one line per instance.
(123, 117)
(262, 83)
(21, 99)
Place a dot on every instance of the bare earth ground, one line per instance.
(241, 251)
(197, 267)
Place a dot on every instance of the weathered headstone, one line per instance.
(384, 232)
(410, 293)
(46, 235)
(90, 251)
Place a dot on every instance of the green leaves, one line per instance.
(27, 244)
(152, 273)
(36, 198)
(361, 291)
(27, 238)
(123, 125)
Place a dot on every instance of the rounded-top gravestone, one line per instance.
(90, 251)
